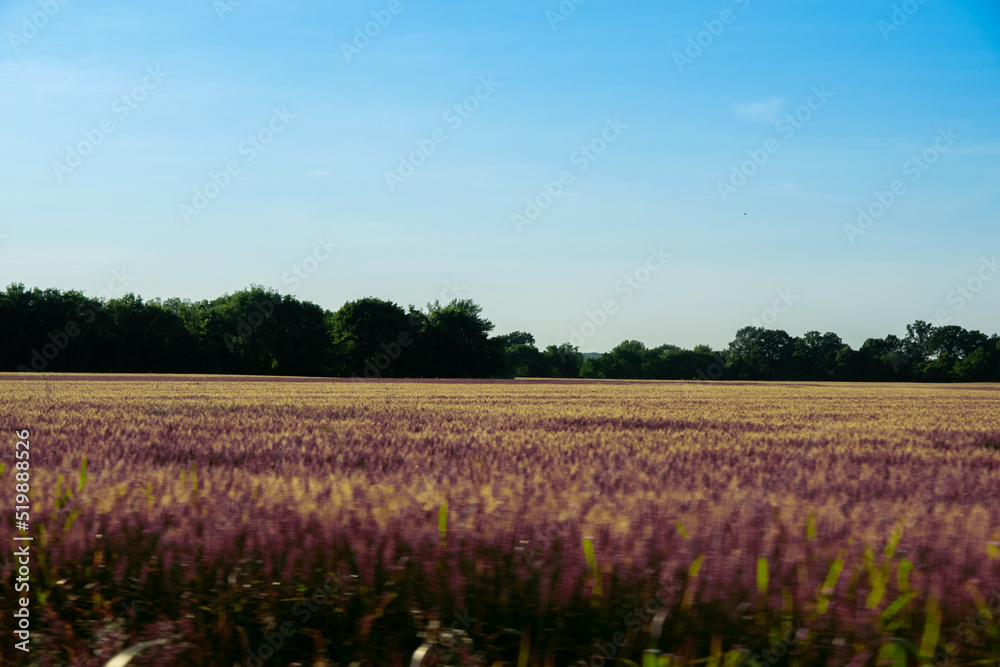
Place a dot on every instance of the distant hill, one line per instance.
(593, 355)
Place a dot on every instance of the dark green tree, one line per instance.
(129, 335)
(374, 338)
(525, 361)
(627, 360)
(884, 360)
(814, 356)
(678, 364)
(761, 354)
(593, 368)
(916, 346)
(517, 338)
(43, 330)
(563, 361)
(458, 342)
(982, 364)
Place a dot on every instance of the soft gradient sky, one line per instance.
(229, 65)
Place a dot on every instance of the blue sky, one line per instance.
(671, 105)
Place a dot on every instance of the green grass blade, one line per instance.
(692, 582)
(762, 574)
(829, 585)
(894, 537)
(894, 608)
(932, 625)
(443, 520)
(83, 473)
(878, 578)
(588, 552)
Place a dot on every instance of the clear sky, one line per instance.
(198, 147)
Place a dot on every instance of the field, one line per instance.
(276, 522)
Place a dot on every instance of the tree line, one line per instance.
(258, 331)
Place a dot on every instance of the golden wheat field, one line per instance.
(250, 522)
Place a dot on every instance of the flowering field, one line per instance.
(275, 522)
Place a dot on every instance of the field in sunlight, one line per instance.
(278, 521)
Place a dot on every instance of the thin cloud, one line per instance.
(762, 110)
